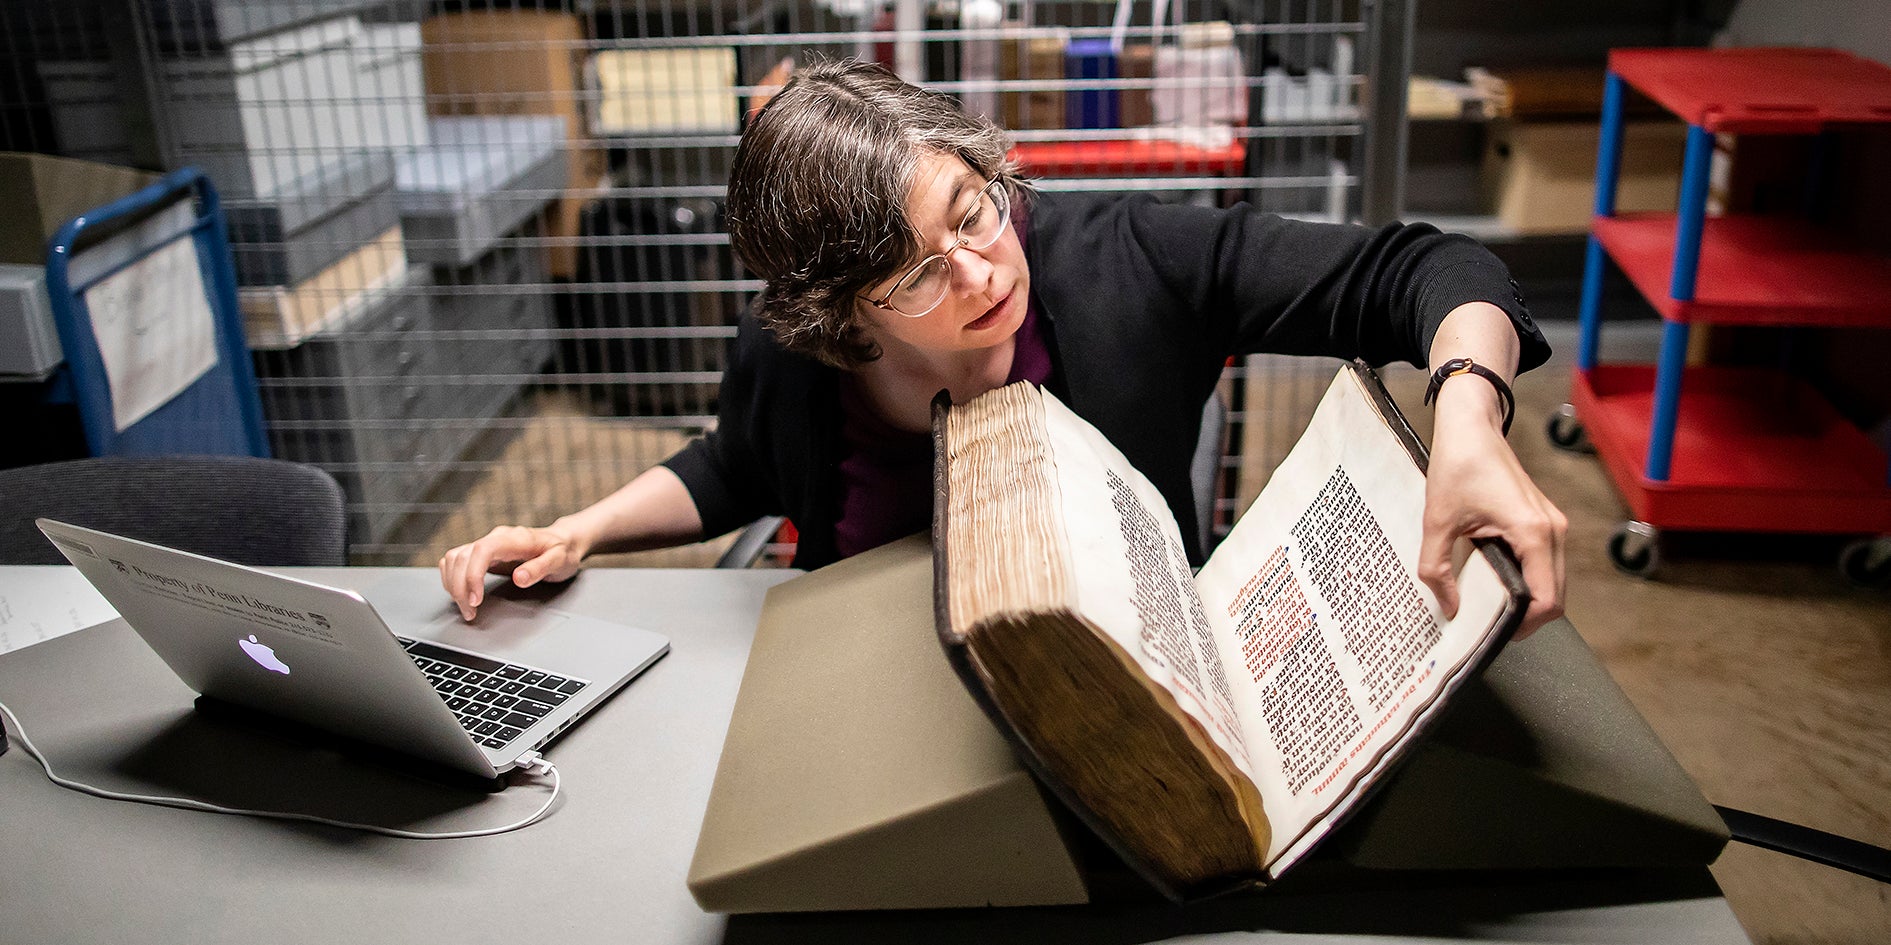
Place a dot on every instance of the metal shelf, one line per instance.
(1753, 271)
(1754, 450)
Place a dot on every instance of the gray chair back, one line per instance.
(265, 512)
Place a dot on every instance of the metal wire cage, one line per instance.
(482, 264)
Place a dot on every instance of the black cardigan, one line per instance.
(1145, 301)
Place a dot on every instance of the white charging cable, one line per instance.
(531, 760)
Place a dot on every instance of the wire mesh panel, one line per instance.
(482, 257)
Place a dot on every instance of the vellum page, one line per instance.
(1334, 646)
(1134, 582)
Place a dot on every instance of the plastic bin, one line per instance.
(195, 26)
(478, 180)
(267, 111)
(90, 118)
(388, 78)
(290, 236)
(29, 341)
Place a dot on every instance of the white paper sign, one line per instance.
(153, 323)
(40, 602)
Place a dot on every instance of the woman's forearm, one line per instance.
(654, 510)
(1476, 488)
(1482, 332)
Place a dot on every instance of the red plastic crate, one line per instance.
(1781, 90)
(1116, 157)
(1754, 450)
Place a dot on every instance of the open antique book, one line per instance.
(1211, 728)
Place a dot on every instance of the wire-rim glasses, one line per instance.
(924, 286)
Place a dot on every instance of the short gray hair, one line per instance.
(817, 195)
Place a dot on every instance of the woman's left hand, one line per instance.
(1476, 488)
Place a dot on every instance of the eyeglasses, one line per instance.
(924, 286)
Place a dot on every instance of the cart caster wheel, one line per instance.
(1867, 562)
(1635, 549)
(1565, 431)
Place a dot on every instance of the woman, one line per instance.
(903, 256)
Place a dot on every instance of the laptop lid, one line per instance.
(322, 656)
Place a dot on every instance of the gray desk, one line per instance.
(608, 864)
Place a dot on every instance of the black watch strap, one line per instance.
(1457, 366)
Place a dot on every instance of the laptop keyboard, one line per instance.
(494, 701)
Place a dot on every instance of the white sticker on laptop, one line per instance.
(72, 547)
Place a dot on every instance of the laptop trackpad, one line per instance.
(503, 628)
(521, 626)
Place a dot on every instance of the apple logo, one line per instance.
(263, 655)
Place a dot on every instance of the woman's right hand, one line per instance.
(654, 510)
(531, 555)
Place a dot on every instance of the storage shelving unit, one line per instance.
(1743, 449)
(431, 405)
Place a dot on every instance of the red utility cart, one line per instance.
(1712, 448)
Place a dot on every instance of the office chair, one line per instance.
(238, 508)
(748, 547)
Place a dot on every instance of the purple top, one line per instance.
(886, 472)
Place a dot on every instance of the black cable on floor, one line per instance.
(1809, 844)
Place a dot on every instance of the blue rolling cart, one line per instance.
(217, 412)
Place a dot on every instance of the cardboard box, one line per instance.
(518, 62)
(276, 317)
(1038, 58)
(1553, 93)
(677, 90)
(1541, 175)
(39, 193)
(1138, 63)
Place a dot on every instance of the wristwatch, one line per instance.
(1457, 366)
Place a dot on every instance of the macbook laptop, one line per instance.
(322, 658)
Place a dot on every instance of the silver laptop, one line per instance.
(322, 657)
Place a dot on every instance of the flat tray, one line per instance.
(1783, 90)
(481, 179)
